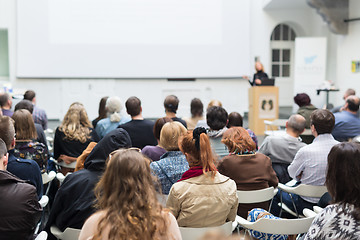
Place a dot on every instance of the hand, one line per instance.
(245, 77)
(258, 81)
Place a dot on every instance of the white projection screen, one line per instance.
(132, 38)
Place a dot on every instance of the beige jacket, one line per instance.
(203, 202)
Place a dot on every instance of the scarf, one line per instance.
(192, 172)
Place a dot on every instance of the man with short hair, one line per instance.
(347, 124)
(171, 104)
(281, 149)
(6, 103)
(24, 169)
(348, 92)
(39, 115)
(139, 129)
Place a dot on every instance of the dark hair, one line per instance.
(216, 118)
(4, 98)
(29, 95)
(171, 103)
(196, 107)
(323, 121)
(302, 99)
(342, 178)
(25, 104)
(235, 120)
(102, 109)
(3, 149)
(133, 106)
(7, 130)
(353, 103)
(158, 126)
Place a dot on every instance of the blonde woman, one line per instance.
(127, 203)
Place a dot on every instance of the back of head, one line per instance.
(214, 103)
(7, 130)
(235, 120)
(171, 103)
(4, 98)
(297, 123)
(352, 103)
(196, 107)
(323, 121)
(133, 106)
(349, 92)
(238, 140)
(216, 118)
(169, 135)
(113, 107)
(29, 95)
(302, 99)
(25, 104)
(24, 125)
(159, 125)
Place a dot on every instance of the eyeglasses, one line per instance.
(123, 150)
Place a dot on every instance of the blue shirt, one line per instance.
(104, 126)
(347, 125)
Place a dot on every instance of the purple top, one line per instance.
(153, 152)
(7, 112)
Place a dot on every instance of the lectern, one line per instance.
(263, 105)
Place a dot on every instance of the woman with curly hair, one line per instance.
(127, 203)
(74, 134)
(249, 169)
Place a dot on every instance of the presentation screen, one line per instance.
(132, 38)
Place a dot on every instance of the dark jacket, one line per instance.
(74, 201)
(19, 209)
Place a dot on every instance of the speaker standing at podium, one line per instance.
(259, 76)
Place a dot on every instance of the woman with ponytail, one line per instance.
(202, 197)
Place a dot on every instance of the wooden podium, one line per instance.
(263, 105)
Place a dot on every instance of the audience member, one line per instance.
(73, 135)
(102, 111)
(24, 169)
(5, 103)
(19, 208)
(127, 203)
(348, 92)
(81, 159)
(171, 104)
(155, 152)
(281, 149)
(305, 107)
(39, 115)
(196, 109)
(216, 118)
(202, 197)
(347, 124)
(212, 103)
(74, 201)
(172, 164)
(341, 219)
(139, 129)
(236, 120)
(249, 170)
(310, 162)
(113, 108)
(25, 147)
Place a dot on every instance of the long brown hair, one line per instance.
(24, 125)
(127, 194)
(76, 123)
(201, 155)
(238, 140)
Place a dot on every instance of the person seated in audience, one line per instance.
(6, 103)
(171, 104)
(347, 124)
(25, 169)
(74, 201)
(249, 170)
(155, 152)
(341, 219)
(305, 107)
(310, 162)
(281, 149)
(113, 107)
(172, 164)
(139, 129)
(348, 92)
(217, 118)
(127, 203)
(39, 115)
(202, 197)
(196, 109)
(26, 104)
(236, 120)
(102, 111)
(81, 159)
(20, 210)
(25, 147)
(73, 135)
(212, 103)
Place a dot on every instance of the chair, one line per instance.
(43, 203)
(276, 127)
(61, 177)
(188, 233)
(68, 234)
(47, 178)
(42, 236)
(318, 209)
(256, 196)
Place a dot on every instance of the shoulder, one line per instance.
(90, 226)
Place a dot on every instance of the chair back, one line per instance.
(68, 234)
(196, 233)
(305, 190)
(48, 177)
(256, 196)
(42, 236)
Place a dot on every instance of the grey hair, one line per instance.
(113, 107)
(297, 123)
